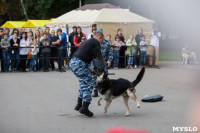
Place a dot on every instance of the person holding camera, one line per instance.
(155, 36)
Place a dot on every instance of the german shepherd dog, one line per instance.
(110, 89)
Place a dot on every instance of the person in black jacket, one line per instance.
(122, 49)
(138, 39)
(71, 40)
(14, 43)
(89, 50)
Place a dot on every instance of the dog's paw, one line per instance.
(138, 106)
(98, 104)
(105, 111)
(127, 114)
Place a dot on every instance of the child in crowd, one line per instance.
(34, 52)
(5, 44)
(116, 44)
(143, 46)
(131, 43)
(109, 39)
(83, 39)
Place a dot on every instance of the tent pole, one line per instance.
(125, 31)
(67, 29)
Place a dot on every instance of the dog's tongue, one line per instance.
(121, 130)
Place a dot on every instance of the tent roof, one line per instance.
(89, 17)
(13, 24)
(34, 23)
(96, 6)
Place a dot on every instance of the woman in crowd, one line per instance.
(14, 43)
(34, 52)
(30, 43)
(15, 30)
(37, 36)
(23, 52)
(131, 43)
(117, 45)
(122, 49)
(93, 32)
(41, 35)
(78, 37)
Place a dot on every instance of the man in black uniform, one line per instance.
(88, 51)
(71, 40)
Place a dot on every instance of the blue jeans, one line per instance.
(82, 72)
(15, 59)
(131, 58)
(6, 62)
(116, 58)
(61, 56)
(142, 58)
(33, 62)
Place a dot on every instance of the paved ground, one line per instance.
(43, 102)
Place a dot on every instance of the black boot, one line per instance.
(84, 109)
(79, 104)
(95, 94)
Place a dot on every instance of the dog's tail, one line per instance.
(139, 77)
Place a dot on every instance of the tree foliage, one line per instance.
(11, 10)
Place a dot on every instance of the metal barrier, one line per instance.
(68, 58)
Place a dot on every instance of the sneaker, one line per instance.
(135, 66)
(131, 67)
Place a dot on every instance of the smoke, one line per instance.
(178, 18)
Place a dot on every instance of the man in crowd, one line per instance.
(155, 36)
(45, 44)
(138, 39)
(54, 49)
(62, 50)
(71, 40)
(88, 50)
(107, 54)
(1, 36)
(29, 29)
(47, 30)
(22, 29)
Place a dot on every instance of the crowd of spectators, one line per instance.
(22, 50)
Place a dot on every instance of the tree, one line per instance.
(17, 10)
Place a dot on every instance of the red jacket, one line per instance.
(76, 40)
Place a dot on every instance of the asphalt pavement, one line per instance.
(43, 102)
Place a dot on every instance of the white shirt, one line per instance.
(155, 39)
(143, 45)
(23, 51)
(89, 36)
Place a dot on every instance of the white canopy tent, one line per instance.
(109, 19)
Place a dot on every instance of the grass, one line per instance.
(170, 50)
(169, 56)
